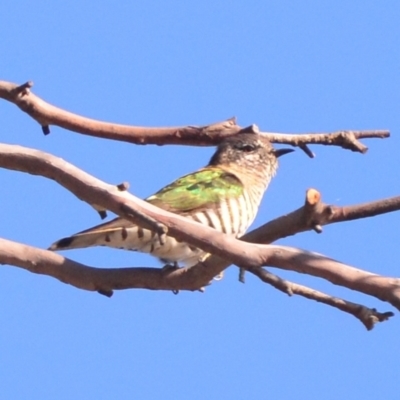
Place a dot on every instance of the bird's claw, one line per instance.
(168, 268)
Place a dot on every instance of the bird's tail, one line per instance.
(101, 235)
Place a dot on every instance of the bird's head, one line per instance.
(249, 151)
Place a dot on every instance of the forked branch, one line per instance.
(368, 316)
(226, 250)
(46, 114)
(105, 280)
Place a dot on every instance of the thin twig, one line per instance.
(346, 139)
(368, 316)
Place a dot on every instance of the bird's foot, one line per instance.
(168, 268)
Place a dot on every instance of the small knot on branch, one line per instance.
(313, 197)
(315, 210)
(370, 316)
(228, 126)
(122, 187)
(23, 89)
(104, 292)
(250, 129)
(317, 228)
(103, 214)
(307, 150)
(348, 140)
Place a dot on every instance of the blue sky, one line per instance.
(287, 66)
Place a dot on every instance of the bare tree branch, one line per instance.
(345, 139)
(368, 316)
(314, 214)
(249, 256)
(105, 280)
(108, 279)
(46, 114)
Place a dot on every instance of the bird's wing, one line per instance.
(197, 190)
(191, 192)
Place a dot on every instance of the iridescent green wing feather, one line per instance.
(198, 190)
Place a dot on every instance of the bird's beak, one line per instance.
(281, 152)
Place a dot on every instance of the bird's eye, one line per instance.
(247, 148)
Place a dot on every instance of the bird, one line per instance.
(224, 195)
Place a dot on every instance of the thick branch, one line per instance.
(311, 216)
(108, 279)
(46, 114)
(103, 280)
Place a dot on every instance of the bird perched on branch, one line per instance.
(224, 195)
